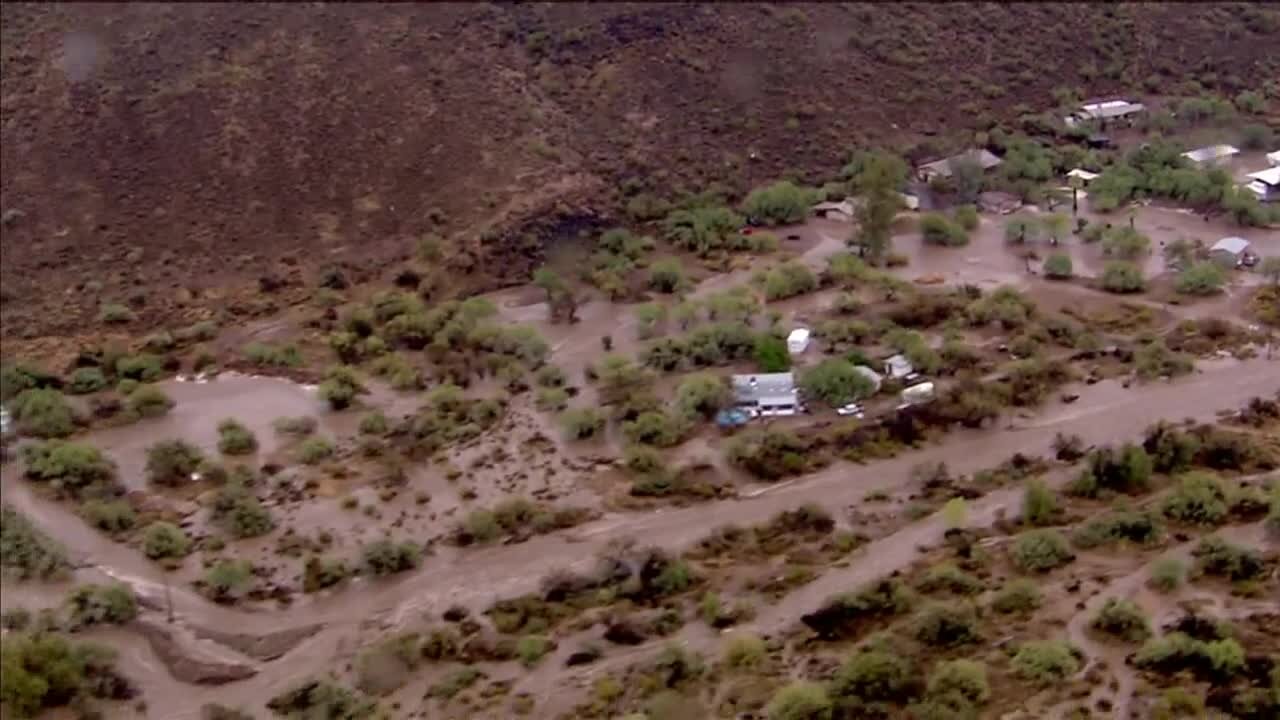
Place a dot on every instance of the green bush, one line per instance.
(960, 678)
(946, 577)
(530, 649)
(87, 380)
(46, 670)
(149, 401)
(239, 512)
(173, 462)
(1017, 596)
(1199, 499)
(235, 439)
(769, 454)
(268, 355)
(322, 699)
(875, 676)
(297, 426)
(315, 450)
(771, 354)
(744, 651)
(26, 552)
(835, 382)
(227, 580)
(320, 573)
(1058, 266)
(667, 276)
(1121, 276)
(101, 604)
(110, 516)
(71, 466)
(1202, 278)
(937, 229)
(14, 378)
(1125, 243)
(1039, 504)
(655, 428)
(1123, 619)
(800, 701)
(42, 413)
(786, 280)
(782, 203)
(1217, 557)
(703, 229)
(340, 387)
(386, 557)
(967, 217)
(162, 540)
(143, 367)
(581, 423)
(1167, 574)
(1140, 528)
(116, 314)
(1046, 661)
(1127, 470)
(1041, 551)
(947, 625)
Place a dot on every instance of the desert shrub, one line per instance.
(1155, 359)
(1167, 574)
(702, 229)
(116, 314)
(530, 649)
(879, 600)
(658, 429)
(1218, 659)
(70, 466)
(1122, 276)
(315, 450)
(1046, 662)
(947, 625)
(162, 540)
(946, 577)
(581, 423)
(938, 229)
(551, 399)
(110, 516)
(15, 378)
(782, 203)
(227, 580)
(1127, 470)
(44, 670)
(963, 678)
(322, 699)
(101, 604)
(173, 462)
(1017, 596)
(1199, 499)
(1123, 619)
(1141, 528)
(149, 401)
(800, 701)
(322, 572)
(702, 394)
(42, 413)
(787, 280)
(1039, 504)
(835, 382)
(239, 512)
(1125, 243)
(235, 439)
(744, 651)
(1202, 278)
(1171, 449)
(26, 552)
(143, 367)
(1058, 266)
(268, 355)
(87, 380)
(386, 557)
(667, 275)
(340, 387)
(296, 426)
(375, 423)
(1041, 551)
(874, 675)
(1217, 557)
(967, 217)
(769, 454)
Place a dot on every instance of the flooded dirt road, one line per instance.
(1104, 413)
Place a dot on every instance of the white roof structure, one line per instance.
(799, 335)
(1083, 174)
(1232, 245)
(875, 377)
(765, 389)
(844, 206)
(1270, 176)
(1274, 158)
(898, 366)
(1110, 109)
(1211, 153)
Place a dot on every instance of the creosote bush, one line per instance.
(1046, 662)
(800, 701)
(173, 462)
(1017, 596)
(1041, 551)
(102, 604)
(387, 557)
(1122, 619)
(1167, 574)
(235, 439)
(162, 540)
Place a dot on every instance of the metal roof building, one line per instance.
(766, 391)
(1211, 154)
(942, 168)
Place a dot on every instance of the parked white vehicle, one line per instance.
(798, 341)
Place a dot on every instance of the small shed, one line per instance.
(998, 203)
(1274, 158)
(1265, 184)
(1229, 251)
(1211, 155)
(842, 211)
(875, 377)
(798, 341)
(898, 366)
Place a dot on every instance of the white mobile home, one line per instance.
(1212, 155)
(1265, 184)
(768, 394)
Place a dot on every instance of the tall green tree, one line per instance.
(878, 181)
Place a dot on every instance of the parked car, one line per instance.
(852, 409)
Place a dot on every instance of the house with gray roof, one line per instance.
(944, 167)
(769, 393)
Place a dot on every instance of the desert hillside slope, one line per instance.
(169, 155)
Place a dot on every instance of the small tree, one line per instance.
(581, 423)
(1058, 267)
(1056, 225)
(235, 439)
(340, 387)
(1202, 278)
(782, 203)
(1039, 504)
(1120, 276)
(162, 540)
(835, 382)
(771, 354)
(937, 229)
(227, 580)
(666, 275)
(1021, 229)
(172, 462)
(1125, 243)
